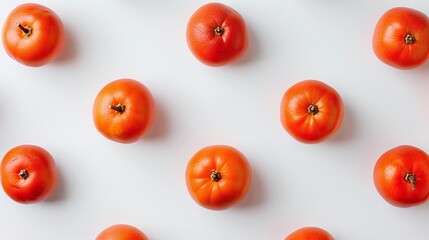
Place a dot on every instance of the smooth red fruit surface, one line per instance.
(401, 176)
(216, 34)
(124, 110)
(28, 174)
(310, 233)
(121, 232)
(311, 111)
(218, 177)
(401, 38)
(33, 35)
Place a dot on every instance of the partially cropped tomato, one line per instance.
(33, 35)
(124, 110)
(401, 176)
(28, 174)
(310, 233)
(401, 38)
(218, 177)
(217, 34)
(311, 111)
(121, 232)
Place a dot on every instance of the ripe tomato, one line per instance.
(401, 176)
(124, 110)
(310, 233)
(33, 35)
(121, 232)
(216, 34)
(311, 111)
(401, 38)
(218, 177)
(28, 174)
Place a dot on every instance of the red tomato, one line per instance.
(124, 110)
(401, 38)
(218, 177)
(401, 176)
(121, 232)
(311, 111)
(310, 233)
(33, 35)
(217, 35)
(28, 174)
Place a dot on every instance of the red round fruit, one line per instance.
(401, 176)
(33, 35)
(28, 174)
(124, 110)
(216, 34)
(218, 176)
(401, 38)
(121, 232)
(310, 233)
(311, 111)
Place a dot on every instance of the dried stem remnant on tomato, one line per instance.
(313, 109)
(215, 176)
(409, 38)
(27, 30)
(411, 178)
(218, 31)
(23, 174)
(120, 108)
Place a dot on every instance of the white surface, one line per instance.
(294, 185)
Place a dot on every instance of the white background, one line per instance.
(328, 185)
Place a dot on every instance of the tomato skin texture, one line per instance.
(391, 171)
(121, 232)
(235, 177)
(307, 127)
(310, 233)
(41, 180)
(217, 49)
(47, 38)
(389, 38)
(137, 117)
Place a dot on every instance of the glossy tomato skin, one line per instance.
(401, 176)
(218, 176)
(43, 44)
(134, 114)
(28, 174)
(311, 111)
(217, 35)
(310, 233)
(401, 38)
(122, 232)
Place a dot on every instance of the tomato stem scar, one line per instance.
(218, 31)
(410, 38)
(120, 108)
(23, 174)
(27, 30)
(313, 109)
(411, 178)
(215, 176)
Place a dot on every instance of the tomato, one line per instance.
(311, 111)
(401, 38)
(124, 110)
(310, 233)
(28, 174)
(216, 35)
(218, 177)
(401, 176)
(121, 232)
(33, 35)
